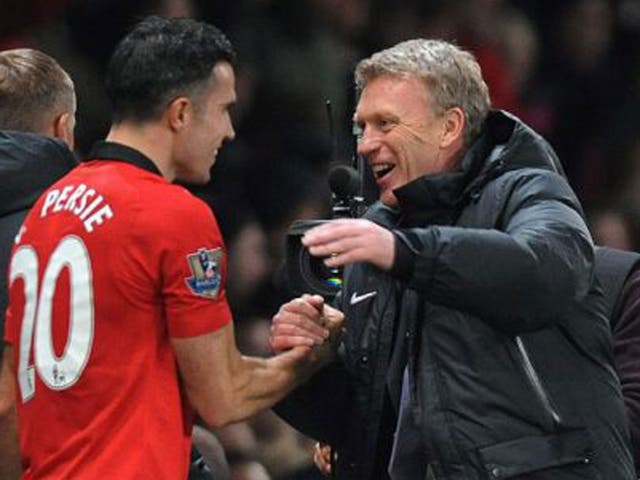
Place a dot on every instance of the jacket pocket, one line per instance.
(556, 453)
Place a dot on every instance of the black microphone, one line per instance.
(346, 184)
(344, 181)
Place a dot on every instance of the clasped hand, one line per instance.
(307, 321)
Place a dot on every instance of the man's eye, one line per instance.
(385, 124)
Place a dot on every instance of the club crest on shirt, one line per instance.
(205, 267)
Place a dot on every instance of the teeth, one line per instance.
(381, 166)
(381, 169)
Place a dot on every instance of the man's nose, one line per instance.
(231, 134)
(366, 145)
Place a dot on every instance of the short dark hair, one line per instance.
(33, 90)
(160, 59)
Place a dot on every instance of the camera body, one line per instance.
(309, 274)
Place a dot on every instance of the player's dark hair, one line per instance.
(159, 60)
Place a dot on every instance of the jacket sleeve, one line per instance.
(318, 408)
(626, 348)
(518, 276)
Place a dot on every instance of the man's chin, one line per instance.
(389, 199)
(194, 178)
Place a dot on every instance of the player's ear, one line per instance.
(178, 113)
(63, 127)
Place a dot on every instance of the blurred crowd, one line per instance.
(570, 69)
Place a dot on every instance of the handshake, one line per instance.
(307, 322)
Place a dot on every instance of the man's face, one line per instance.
(210, 126)
(399, 133)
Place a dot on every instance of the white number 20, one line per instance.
(58, 373)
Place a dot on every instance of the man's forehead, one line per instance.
(223, 72)
(223, 82)
(381, 95)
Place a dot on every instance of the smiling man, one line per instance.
(476, 345)
(118, 328)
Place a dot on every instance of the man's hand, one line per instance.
(351, 240)
(322, 458)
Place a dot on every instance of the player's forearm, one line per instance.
(264, 382)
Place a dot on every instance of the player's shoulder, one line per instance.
(177, 200)
(174, 208)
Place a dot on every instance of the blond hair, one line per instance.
(34, 89)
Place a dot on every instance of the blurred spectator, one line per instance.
(212, 464)
(615, 226)
(583, 76)
(249, 470)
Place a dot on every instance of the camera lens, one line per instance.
(318, 276)
(306, 273)
(330, 276)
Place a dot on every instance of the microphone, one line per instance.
(344, 181)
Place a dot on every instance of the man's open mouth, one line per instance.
(382, 169)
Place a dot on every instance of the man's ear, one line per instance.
(63, 126)
(454, 123)
(178, 113)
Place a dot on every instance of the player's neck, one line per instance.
(147, 139)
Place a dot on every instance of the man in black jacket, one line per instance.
(473, 328)
(37, 119)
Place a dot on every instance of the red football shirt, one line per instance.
(111, 262)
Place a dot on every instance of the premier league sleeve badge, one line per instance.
(205, 269)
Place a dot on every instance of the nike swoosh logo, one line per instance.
(355, 298)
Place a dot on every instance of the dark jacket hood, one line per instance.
(29, 163)
(505, 144)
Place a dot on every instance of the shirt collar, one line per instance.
(122, 153)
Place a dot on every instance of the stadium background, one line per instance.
(570, 69)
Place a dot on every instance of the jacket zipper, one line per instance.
(534, 379)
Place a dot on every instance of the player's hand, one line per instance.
(346, 241)
(322, 457)
(299, 322)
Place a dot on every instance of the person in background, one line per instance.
(37, 119)
(618, 273)
(117, 280)
(476, 344)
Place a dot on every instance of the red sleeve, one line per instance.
(194, 268)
